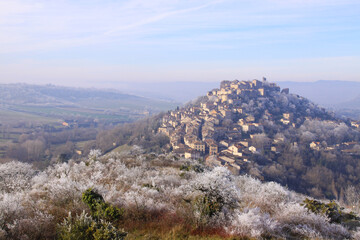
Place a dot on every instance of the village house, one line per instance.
(287, 116)
(244, 142)
(261, 91)
(225, 113)
(180, 151)
(250, 127)
(227, 159)
(236, 149)
(252, 149)
(256, 83)
(214, 113)
(315, 145)
(348, 145)
(285, 121)
(198, 146)
(355, 124)
(250, 118)
(189, 139)
(224, 143)
(211, 146)
(192, 154)
(166, 130)
(279, 140)
(237, 110)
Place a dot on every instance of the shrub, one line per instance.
(333, 211)
(208, 206)
(196, 168)
(215, 193)
(99, 208)
(84, 227)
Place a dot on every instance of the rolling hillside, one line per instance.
(63, 103)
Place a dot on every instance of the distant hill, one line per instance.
(174, 91)
(325, 93)
(66, 102)
(51, 94)
(341, 96)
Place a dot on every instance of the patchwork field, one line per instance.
(65, 120)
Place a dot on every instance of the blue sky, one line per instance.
(78, 42)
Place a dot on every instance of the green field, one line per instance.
(41, 114)
(122, 148)
(81, 145)
(137, 104)
(11, 116)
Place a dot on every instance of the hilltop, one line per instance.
(340, 96)
(255, 127)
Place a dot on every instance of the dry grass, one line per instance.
(155, 225)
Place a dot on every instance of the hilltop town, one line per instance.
(243, 118)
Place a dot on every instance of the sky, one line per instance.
(94, 42)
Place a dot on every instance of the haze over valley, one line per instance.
(339, 96)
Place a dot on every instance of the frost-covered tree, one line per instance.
(15, 176)
(152, 189)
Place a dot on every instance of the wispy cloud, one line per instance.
(161, 16)
(152, 32)
(35, 24)
(43, 25)
(10, 7)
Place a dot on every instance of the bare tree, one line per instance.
(352, 196)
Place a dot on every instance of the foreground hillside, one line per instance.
(148, 196)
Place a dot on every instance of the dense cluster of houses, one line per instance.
(209, 131)
(220, 130)
(345, 147)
